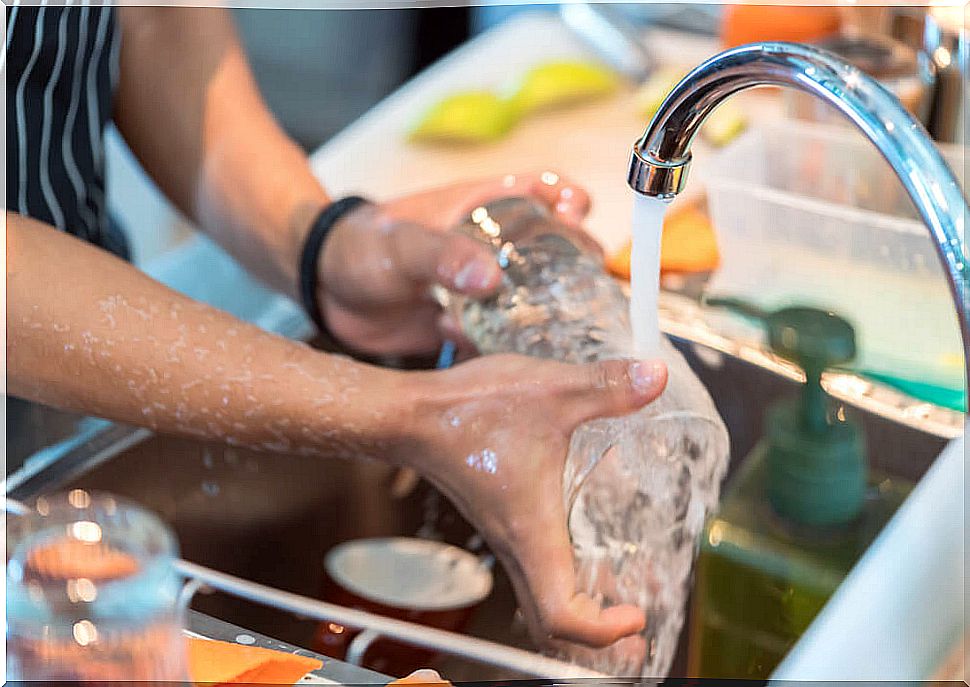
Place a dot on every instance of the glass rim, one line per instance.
(93, 517)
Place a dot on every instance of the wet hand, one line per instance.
(379, 262)
(493, 436)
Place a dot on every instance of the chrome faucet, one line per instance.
(661, 157)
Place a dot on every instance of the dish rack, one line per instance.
(378, 626)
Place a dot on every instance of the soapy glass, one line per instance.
(636, 488)
(92, 593)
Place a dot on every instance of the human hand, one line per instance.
(424, 676)
(380, 260)
(492, 434)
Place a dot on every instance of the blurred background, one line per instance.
(319, 70)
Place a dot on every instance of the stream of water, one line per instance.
(648, 217)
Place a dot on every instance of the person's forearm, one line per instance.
(89, 333)
(189, 108)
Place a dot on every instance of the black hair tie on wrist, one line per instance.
(310, 255)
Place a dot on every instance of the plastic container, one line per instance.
(813, 215)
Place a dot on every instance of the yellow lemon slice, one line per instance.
(469, 117)
(554, 84)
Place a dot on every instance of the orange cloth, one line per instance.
(688, 244)
(225, 663)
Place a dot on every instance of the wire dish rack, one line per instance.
(374, 626)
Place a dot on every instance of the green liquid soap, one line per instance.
(799, 513)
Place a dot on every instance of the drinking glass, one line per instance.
(636, 488)
(92, 593)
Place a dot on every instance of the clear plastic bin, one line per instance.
(813, 214)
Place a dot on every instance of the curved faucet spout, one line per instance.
(661, 157)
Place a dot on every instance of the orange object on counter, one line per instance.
(688, 244)
(742, 24)
(619, 263)
(224, 663)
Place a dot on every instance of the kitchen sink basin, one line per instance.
(272, 518)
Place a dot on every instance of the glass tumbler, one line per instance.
(636, 488)
(92, 593)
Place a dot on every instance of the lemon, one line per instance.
(553, 84)
(468, 117)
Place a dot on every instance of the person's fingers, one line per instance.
(617, 387)
(558, 612)
(457, 262)
(424, 676)
(443, 207)
(569, 202)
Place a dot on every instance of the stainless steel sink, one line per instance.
(271, 518)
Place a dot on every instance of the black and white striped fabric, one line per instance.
(61, 70)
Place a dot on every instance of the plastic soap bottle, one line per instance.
(799, 513)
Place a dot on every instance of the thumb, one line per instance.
(617, 387)
(459, 263)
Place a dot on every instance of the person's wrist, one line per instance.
(397, 417)
(428, 420)
(313, 247)
(354, 220)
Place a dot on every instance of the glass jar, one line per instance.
(92, 593)
(636, 488)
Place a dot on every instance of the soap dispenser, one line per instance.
(801, 510)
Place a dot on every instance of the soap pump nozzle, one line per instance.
(816, 459)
